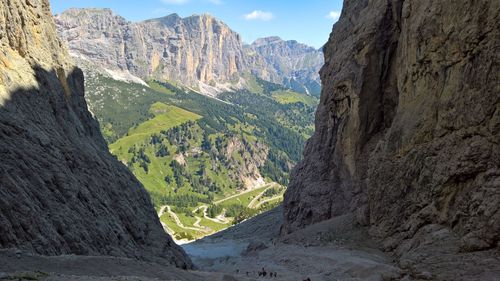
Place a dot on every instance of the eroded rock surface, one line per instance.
(407, 130)
(61, 191)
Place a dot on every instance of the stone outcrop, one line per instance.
(61, 191)
(407, 130)
(199, 51)
(252, 155)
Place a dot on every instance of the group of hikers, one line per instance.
(264, 273)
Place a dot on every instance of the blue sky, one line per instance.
(307, 21)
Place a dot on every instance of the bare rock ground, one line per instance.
(331, 250)
(319, 252)
(93, 268)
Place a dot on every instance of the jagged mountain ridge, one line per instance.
(289, 63)
(407, 131)
(187, 51)
(199, 51)
(61, 191)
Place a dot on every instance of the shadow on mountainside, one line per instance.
(61, 191)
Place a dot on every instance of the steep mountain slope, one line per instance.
(407, 128)
(290, 63)
(200, 52)
(61, 191)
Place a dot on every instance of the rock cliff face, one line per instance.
(198, 51)
(184, 50)
(407, 130)
(286, 62)
(61, 192)
(253, 156)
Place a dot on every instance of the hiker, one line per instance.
(264, 273)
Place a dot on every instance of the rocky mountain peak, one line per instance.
(298, 63)
(277, 44)
(193, 51)
(276, 40)
(89, 15)
(89, 11)
(267, 41)
(172, 17)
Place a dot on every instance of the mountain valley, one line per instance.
(193, 127)
(190, 150)
(168, 149)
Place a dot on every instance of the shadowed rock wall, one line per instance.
(61, 191)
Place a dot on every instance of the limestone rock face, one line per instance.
(61, 191)
(185, 50)
(289, 63)
(407, 129)
(199, 51)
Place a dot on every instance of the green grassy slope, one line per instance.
(139, 137)
(288, 96)
(189, 150)
(166, 117)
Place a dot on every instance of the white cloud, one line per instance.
(175, 2)
(259, 15)
(216, 2)
(334, 15)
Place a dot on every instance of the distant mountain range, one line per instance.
(199, 52)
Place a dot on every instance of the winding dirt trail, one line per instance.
(197, 222)
(222, 216)
(267, 200)
(252, 203)
(177, 220)
(233, 196)
(218, 219)
(162, 211)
